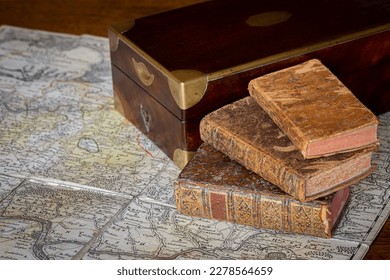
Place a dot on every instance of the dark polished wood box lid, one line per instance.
(186, 58)
(219, 35)
(171, 69)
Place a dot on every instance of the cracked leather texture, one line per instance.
(214, 186)
(246, 133)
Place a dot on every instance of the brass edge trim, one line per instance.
(299, 51)
(142, 54)
(121, 27)
(181, 157)
(188, 87)
(113, 33)
(242, 67)
(268, 18)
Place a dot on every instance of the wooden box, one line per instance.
(171, 69)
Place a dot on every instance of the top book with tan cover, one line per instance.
(315, 110)
(245, 132)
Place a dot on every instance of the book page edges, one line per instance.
(330, 214)
(360, 138)
(340, 186)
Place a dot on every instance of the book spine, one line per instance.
(261, 163)
(253, 209)
(294, 134)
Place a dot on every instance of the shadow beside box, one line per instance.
(171, 69)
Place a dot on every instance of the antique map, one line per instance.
(77, 181)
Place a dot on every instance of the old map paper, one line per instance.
(77, 181)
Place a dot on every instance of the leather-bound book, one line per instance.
(215, 187)
(318, 113)
(246, 133)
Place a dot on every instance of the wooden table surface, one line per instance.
(93, 17)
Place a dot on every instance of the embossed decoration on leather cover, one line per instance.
(317, 112)
(216, 187)
(245, 132)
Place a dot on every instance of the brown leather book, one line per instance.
(215, 187)
(318, 113)
(246, 133)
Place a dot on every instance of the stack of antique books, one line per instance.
(283, 158)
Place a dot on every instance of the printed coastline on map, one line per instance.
(77, 181)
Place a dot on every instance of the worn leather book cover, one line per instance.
(318, 113)
(214, 186)
(245, 132)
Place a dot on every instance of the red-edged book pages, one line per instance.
(317, 112)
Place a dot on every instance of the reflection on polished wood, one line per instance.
(94, 17)
(80, 17)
